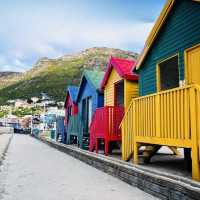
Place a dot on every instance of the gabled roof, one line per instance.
(156, 29)
(72, 90)
(94, 78)
(124, 68)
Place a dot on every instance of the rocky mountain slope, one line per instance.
(8, 78)
(53, 75)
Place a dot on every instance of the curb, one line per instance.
(3, 154)
(156, 184)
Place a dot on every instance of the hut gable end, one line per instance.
(181, 30)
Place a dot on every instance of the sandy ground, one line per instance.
(35, 171)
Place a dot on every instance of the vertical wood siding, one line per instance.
(169, 118)
(180, 31)
(131, 91)
(109, 88)
(89, 91)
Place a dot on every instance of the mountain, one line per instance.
(8, 78)
(53, 75)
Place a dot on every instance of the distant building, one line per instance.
(22, 103)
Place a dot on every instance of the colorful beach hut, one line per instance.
(120, 85)
(71, 111)
(167, 111)
(60, 129)
(89, 97)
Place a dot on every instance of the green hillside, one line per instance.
(8, 78)
(53, 75)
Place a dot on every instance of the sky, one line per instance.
(52, 28)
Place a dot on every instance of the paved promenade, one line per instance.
(35, 171)
(4, 140)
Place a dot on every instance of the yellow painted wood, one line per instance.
(130, 92)
(192, 59)
(109, 97)
(174, 150)
(135, 157)
(174, 123)
(127, 136)
(195, 155)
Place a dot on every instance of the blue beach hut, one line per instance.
(89, 97)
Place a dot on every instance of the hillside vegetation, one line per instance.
(8, 78)
(53, 75)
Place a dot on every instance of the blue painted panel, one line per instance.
(87, 90)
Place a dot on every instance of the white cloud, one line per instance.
(47, 34)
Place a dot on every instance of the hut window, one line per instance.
(119, 93)
(168, 74)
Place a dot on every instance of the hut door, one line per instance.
(69, 113)
(89, 111)
(86, 113)
(193, 65)
(119, 93)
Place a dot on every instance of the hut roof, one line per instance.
(124, 68)
(72, 90)
(156, 29)
(93, 77)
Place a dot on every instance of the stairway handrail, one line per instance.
(126, 112)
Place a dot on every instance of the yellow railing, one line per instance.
(168, 118)
(127, 133)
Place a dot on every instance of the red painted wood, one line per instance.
(105, 125)
(124, 68)
(74, 108)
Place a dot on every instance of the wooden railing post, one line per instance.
(134, 143)
(157, 113)
(193, 121)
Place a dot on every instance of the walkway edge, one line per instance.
(3, 153)
(153, 183)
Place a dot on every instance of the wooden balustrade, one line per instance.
(167, 118)
(105, 125)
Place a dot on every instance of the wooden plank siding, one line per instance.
(130, 90)
(180, 31)
(88, 91)
(168, 118)
(109, 94)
